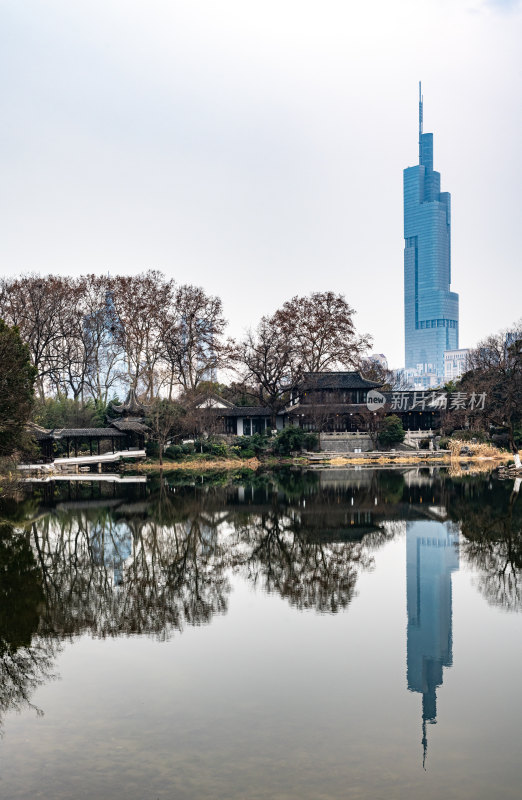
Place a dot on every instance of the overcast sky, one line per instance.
(257, 148)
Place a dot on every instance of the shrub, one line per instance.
(293, 439)
(174, 451)
(257, 443)
(247, 453)
(152, 449)
(392, 431)
(218, 448)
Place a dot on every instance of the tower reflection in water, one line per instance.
(431, 556)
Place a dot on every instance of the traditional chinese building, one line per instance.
(339, 402)
(127, 431)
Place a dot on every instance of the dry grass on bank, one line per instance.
(386, 458)
(194, 466)
(479, 450)
(478, 453)
(460, 468)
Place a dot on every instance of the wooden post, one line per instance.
(76, 448)
(68, 449)
(98, 447)
(90, 445)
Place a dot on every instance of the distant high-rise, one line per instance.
(431, 310)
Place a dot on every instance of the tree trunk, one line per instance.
(514, 448)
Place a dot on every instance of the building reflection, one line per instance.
(431, 557)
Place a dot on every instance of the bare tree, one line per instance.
(37, 306)
(140, 303)
(193, 333)
(164, 419)
(496, 370)
(321, 332)
(269, 361)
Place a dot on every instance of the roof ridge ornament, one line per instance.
(132, 406)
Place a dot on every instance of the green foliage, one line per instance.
(218, 448)
(293, 439)
(205, 449)
(21, 592)
(392, 431)
(256, 444)
(391, 485)
(17, 377)
(248, 453)
(174, 452)
(64, 412)
(152, 449)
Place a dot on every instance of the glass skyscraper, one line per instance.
(431, 310)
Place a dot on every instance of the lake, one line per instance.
(301, 634)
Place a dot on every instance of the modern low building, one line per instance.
(455, 363)
(424, 376)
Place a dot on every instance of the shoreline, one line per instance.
(427, 458)
(407, 459)
(384, 458)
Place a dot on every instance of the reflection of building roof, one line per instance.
(355, 533)
(336, 380)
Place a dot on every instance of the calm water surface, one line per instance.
(329, 634)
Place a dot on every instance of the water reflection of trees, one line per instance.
(130, 575)
(312, 566)
(271, 552)
(26, 658)
(153, 562)
(492, 544)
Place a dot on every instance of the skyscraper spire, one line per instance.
(420, 122)
(431, 310)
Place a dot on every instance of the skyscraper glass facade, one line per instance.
(431, 310)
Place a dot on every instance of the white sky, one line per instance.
(257, 148)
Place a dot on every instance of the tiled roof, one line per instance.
(206, 400)
(71, 433)
(127, 424)
(311, 409)
(240, 411)
(132, 406)
(336, 380)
